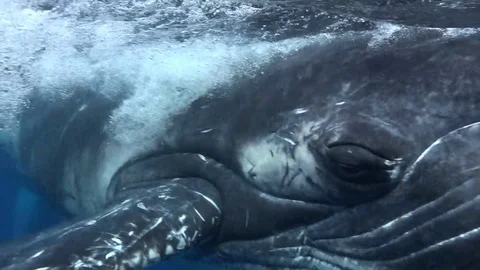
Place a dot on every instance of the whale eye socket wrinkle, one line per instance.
(357, 164)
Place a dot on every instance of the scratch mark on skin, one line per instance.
(209, 200)
(37, 254)
(287, 140)
(300, 111)
(198, 213)
(91, 222)
(471, 169)
(287, 170)
(295, 175)
(247, 217)
(142, 206)
(206, 130)
(182, 218)
(202, 157)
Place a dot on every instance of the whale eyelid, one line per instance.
(376, 153)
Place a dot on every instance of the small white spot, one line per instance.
(130, 233)
(42, 268)
(202, 157)
(91, 222)
(206, 130)
(300, 111)
(37, 254)
(340, 103)
(141, 206)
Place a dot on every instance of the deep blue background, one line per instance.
(25, 212)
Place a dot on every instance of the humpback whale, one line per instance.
(346, 154)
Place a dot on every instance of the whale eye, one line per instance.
(357, 164)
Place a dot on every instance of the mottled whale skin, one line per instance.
(347, 154)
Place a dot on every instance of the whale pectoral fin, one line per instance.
(145, 227)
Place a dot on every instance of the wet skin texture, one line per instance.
(347, 154)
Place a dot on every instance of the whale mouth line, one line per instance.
(153, 168)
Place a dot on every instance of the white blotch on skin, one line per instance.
(206, 130)
(142, 206)
(202, 157)
(300, 111)
(280, 165)
(91, 222)
(152, 254)
(130, 233)
(182, 218)
(137, 257)
(109, 255)
(340, 103)
(168, 250)
(82, 107)
(116, 240)
(181, 243)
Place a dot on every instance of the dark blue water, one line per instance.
(23, 211)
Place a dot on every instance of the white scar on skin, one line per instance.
(276, 163)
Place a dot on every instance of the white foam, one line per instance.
(57, 53)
